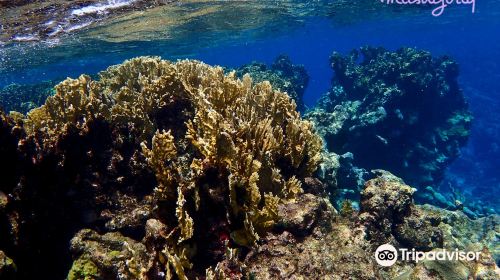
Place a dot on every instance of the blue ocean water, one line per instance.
(473, 40)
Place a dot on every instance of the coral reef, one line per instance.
(343, 179)
(88, 177)
(336, 253)
(340, 246)
(388, 212)
(178, 170)
(282, 74)
(210, 156)
(464, 233)
(107, 256)
(23, 98)
(401, 111)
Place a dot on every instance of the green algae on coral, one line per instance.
(100, 256)
(7, 267)
(83, 269)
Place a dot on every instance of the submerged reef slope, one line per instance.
(341, 245)
(401, 111)
(282, 74)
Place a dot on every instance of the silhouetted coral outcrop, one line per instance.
(401, 111)
(86, 177)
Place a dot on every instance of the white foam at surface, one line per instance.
(102, 7)
(48, 23)
(25, 38)
(56, 31)
(78, 26)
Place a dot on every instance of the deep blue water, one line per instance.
(473, 40)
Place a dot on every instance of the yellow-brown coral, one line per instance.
(196, 118)
(161, 158)
(75, 101)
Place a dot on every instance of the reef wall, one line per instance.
(401, 111)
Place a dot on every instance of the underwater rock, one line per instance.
(350, 179)
(130, 214)
(343, 180)
(315, 186)
(108, 256)
(448, 269)
(420, 231)
(327, 170)
(339, 254)
(400, 111)
(335, 248)
(23, 98)
(484, 268)
(300, 217)
(388, 212)
(341, 247)
(282, 74)
(462, 232)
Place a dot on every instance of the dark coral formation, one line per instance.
(401, 111)
(282, 74)
(54, 189)
(23, 98)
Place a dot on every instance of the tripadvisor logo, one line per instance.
(387, 255)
